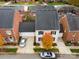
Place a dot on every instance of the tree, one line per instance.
(1, 41)
(28, 16)
(73, 2)
(47, 41)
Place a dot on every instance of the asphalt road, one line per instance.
(35, 56)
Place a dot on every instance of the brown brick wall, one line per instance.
(3, 32)
(68, 35)
(17, 19)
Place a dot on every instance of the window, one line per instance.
(74, 34)
(39, 39)
(8, 32)
(53, 32)
(40, 32)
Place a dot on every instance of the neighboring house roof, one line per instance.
(27, 27)
(17, 8)
(73, 22)
(46, 18)
(6, 17)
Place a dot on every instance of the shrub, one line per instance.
(54, 44)
(74, 50)
(68, 43)
(8, 49)
(42, 50)
(11, 49)
(36, 44)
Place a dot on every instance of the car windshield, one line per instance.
(23, 40)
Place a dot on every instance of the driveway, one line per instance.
(28, 48)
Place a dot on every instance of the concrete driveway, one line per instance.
(28, 49)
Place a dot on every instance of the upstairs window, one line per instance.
(40, 32)
(53, 32)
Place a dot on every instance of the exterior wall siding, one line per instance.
(17, 19)
(56, 36)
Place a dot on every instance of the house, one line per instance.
(9, 25)
(70, 23)
(47, 21)
(27, 29)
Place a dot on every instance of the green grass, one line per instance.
(21, 3)
(56, 3)
(9, 50)
(2, 2)
(42, 49)
(74, 50)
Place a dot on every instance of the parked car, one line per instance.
(48, 55)
(22, 42)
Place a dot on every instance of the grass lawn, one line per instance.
(11, 49)
(56, 3)
(74, 50)
(2, 2)
(8, 50)
(21, 3)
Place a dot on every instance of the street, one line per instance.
(34, 56)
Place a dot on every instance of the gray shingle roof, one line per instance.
(73, 22)
(6, 17)
(47, 18)
(27, 27)
(17, 8)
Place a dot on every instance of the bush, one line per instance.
(42, 50)
(8, 49)
(11, 49)
(36, 44)
(54, 44)
(74, 50)
(68, 43)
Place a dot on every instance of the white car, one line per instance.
(48, 55)
(22, 42)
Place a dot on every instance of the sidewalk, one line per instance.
(28, 48)
(7, 3)
(62, 48)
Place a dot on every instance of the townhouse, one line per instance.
(9, 26)
(70, 27)
(46, 21)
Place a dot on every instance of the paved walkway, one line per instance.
(62, 48)
(28, 48)
(6, 3)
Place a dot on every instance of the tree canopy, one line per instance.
(1, 41)
(47, 41)
(74, 2)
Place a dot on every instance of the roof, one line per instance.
(46, 18)
(27, 27)
(73, 22)
(17, 8)
(6, 17)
